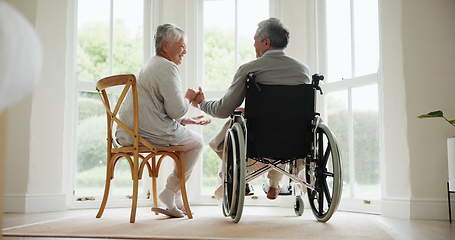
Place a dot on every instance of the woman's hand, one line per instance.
(190, 94)
(198, 120)
(200, 96)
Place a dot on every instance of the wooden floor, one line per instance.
(398, 228)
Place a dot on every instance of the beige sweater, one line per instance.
(273, 68)
(161, 104)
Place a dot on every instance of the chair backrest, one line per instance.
(129, 83)
(279, 120)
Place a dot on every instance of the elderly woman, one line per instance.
(161, 110)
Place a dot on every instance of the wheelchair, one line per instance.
(279, 127)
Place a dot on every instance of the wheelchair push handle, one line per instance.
(251, 79)
(316, 78)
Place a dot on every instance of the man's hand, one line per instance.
(190, 94)
(240, 109)
(198, 120)
(198, 98)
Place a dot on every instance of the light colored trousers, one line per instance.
(192, 144)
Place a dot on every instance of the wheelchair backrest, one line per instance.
(278, 120)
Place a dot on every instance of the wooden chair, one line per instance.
(139, 154)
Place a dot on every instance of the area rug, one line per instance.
(209, 223)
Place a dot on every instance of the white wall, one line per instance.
(429, 60)
(396, 185)
(47, 118)
(2, 160)
(16, 122)
(418, 55)
(34, 126)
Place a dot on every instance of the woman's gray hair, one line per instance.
(273, 29)
(167, 32)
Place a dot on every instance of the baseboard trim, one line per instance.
(396, 208)
(31, 203)
(430, 209)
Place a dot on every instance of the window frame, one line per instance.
(350, 203)
(151, 16)
(195, 182)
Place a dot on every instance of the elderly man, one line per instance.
(273, 67)
(161, 111)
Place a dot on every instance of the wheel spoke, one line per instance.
(327, 174)
(321, 201)
(326, 156)
(327, 193)
(320, 146)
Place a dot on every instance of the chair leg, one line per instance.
(107, 186)
(155, 194)
(134, 198)
(183, 186)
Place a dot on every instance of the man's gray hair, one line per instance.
(273, 29)
(167, 32)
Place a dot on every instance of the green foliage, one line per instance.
(96, 176)
(219, 57)
(211, 159)
(340, 129)
(437, 114)
(93, 51)
(91, 147)
(366, 150)
(90, 107)
(211, 163)
(432, 114)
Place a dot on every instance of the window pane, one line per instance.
(211, 160)
(338, 40)
(128, 36)
(338, 122)
(219, 43)
(247, 24)
(366, 35)
(93, 39)
(91, 152)
(91, 147)
(366, 145)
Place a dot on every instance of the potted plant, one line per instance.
(450, 155)
(437, 114)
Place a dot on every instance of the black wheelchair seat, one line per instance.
(278, 119)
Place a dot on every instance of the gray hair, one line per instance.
(273, 29)
(167, 32)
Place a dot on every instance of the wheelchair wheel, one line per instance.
(234, 176)
(298, 206)
(324, 199)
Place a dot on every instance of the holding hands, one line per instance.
(195, 97)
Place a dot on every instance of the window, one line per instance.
(350, 102)
(228, 30)
(110, 40)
